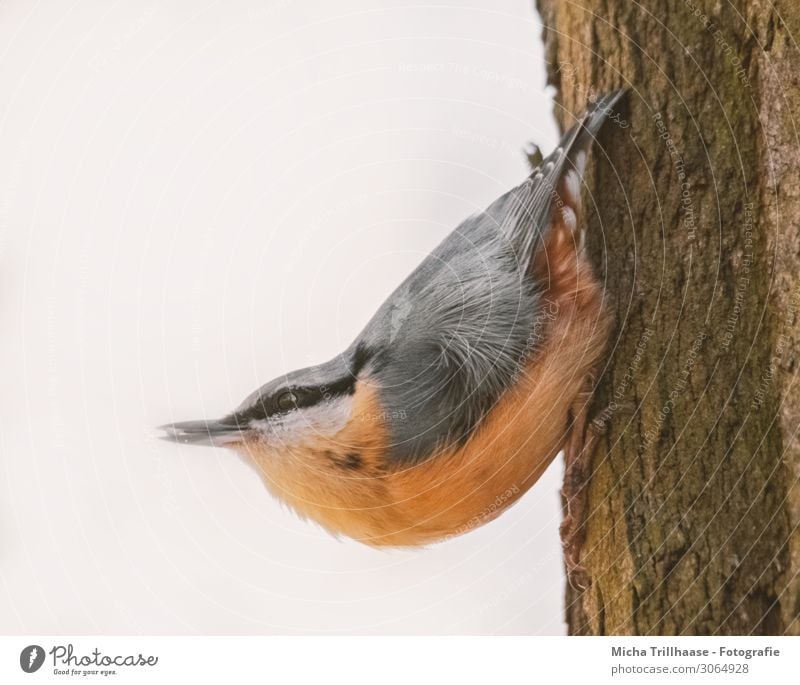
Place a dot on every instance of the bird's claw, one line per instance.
(577, 576)
(578, 455)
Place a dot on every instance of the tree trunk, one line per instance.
(693, 220)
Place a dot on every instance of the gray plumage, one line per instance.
(457, 332)
(454, 335)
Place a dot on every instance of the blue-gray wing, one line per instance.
(450, 339)
(456, 334)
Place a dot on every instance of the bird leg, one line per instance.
(578, 450)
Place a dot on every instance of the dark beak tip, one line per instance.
(169, 433)
(209, 433)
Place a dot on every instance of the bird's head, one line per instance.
(318, 437)
(300, 408)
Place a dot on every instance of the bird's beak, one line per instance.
(222, 432)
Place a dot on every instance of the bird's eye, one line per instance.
(287, 400)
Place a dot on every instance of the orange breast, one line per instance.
(461, 489)
(345, 485)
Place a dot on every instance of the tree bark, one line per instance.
(693, 219)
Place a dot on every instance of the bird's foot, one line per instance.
(578, 452)
(572, 542)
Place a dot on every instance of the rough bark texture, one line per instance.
(693, 216)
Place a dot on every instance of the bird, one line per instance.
(461, 389)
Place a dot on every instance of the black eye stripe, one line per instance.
(304, 396)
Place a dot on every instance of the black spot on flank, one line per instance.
(351, 461)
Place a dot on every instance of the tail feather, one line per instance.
(525, 211)
(584, 133)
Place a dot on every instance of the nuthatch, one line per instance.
(461, 389)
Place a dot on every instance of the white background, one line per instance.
(195, 198)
